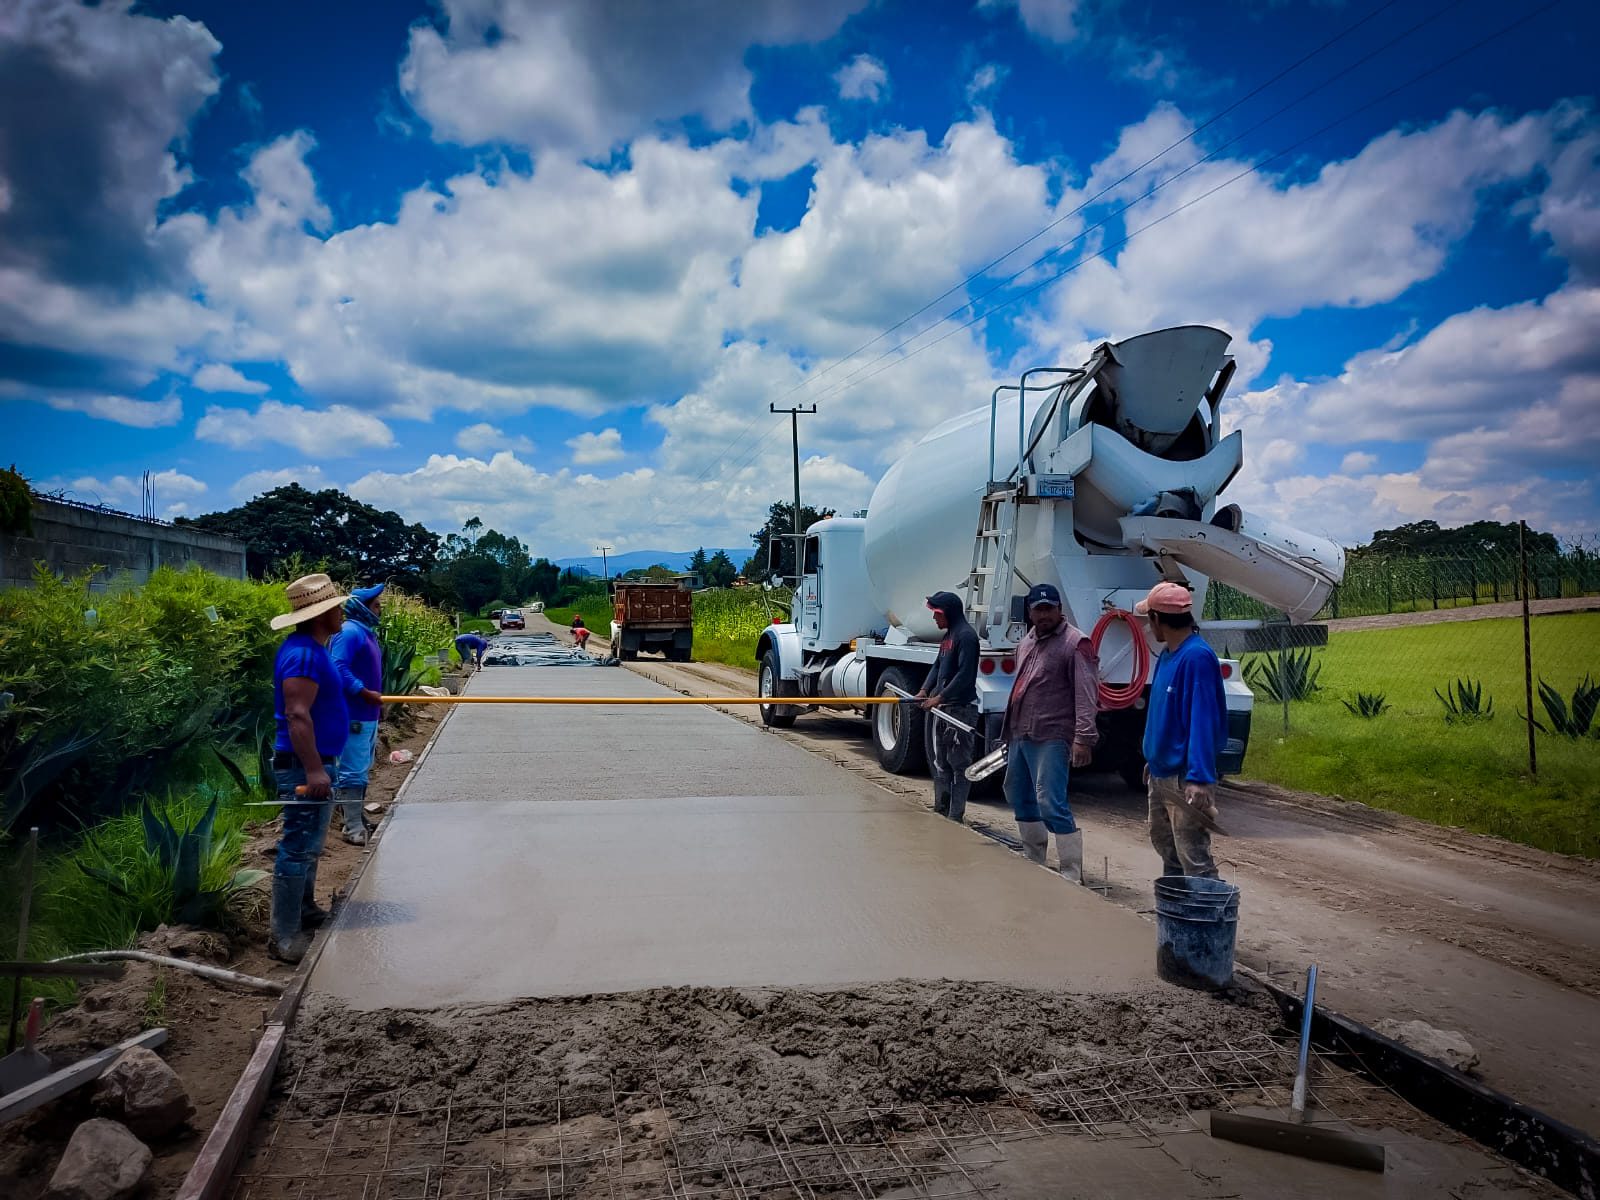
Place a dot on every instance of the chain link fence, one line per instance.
(1422, 687)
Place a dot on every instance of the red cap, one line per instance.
(1166, 598)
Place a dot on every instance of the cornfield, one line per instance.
(727, 622)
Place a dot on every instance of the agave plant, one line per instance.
(178, 858)
(1464, 702)
(1284, 675)
(1368, 704)
(1574, 720)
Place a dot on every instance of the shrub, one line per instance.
(408, 629)
(1284, 675)
(1464, 702)
(1574, 720)
(1368, 704)
(16, 502)
(107, 709)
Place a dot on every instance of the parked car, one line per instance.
(512, 619)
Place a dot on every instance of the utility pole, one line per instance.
(605, 568)
(795, 414)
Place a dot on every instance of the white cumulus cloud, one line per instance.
(333, 432)
(124, 410)
(220, 377)
(589, 449)
(484, 438)
(862, 78)
(247, 486)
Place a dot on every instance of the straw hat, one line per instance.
(309, 596)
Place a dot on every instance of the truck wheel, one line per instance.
(899, 730)
(773, 684)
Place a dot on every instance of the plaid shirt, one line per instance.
(1057, 693)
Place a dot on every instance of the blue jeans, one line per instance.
(1036, 783)
(355, 760)
(305, 826)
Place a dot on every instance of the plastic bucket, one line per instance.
(1196, 924)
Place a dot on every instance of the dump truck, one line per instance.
(1112, 485)
(649, 615)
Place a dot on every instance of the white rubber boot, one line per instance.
(1069, 849)
(1035, 840)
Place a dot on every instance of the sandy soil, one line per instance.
(1407, 919)
(212, 1028)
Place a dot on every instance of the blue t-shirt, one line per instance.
(468, 644)
(302, 657)
(1187, 723)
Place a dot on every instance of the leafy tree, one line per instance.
(355, 540)
(1426, 539)
(697, 563)
(780, 524)
(540, 580)
(719, 571)
(475, 580)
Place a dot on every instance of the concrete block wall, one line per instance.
(73, 540)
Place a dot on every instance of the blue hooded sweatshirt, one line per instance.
(358, 658)
(1187, 723)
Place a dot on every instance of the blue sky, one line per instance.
(548, 263)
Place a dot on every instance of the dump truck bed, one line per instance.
(653, 606)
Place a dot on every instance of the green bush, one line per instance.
(110, 706)
(408, 630)
(1570, 720)
(16, 502)
(1464, 702)
(1284, 675)
(1368, 704)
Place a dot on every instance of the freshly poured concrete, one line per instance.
(563, 851)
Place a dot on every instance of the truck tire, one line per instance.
(1132, 772)
(772, 683)
(899, 731)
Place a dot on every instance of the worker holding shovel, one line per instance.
(313, 725)
(1184, 729)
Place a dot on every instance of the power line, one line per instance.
(983, 270)
(1106, 220)
(1289, 149)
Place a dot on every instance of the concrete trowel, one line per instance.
(22, 1067)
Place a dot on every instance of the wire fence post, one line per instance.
(1283, 670)
(1527, 645)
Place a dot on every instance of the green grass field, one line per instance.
(1410, 760)
(596, 612)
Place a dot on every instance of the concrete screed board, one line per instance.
(550, 851)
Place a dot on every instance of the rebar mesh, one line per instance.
(654, 1140)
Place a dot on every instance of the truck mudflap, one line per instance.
(1282, 567)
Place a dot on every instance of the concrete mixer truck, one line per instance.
(1112, 486)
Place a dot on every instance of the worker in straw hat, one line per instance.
(1185, 727)
(313, 723)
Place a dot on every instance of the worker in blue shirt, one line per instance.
(1186, 726)
(358, 657)
(312, 726)
(470, 647)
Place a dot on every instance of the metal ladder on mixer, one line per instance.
(988, 598)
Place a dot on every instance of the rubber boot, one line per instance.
(1035, 840)
(1069, 849)
(288, 942)
(349, 802)
(311, 913)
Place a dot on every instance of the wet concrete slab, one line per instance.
(549, 851)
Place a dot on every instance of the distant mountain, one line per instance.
(673, 560)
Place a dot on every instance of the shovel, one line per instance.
(1294, 1136)
(22, 1067)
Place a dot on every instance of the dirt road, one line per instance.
(1407, 920)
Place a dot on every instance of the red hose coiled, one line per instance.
(1123, 695)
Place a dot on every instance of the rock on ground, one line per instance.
(144, 1093)
(104, 1161)
(1445, 1045)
